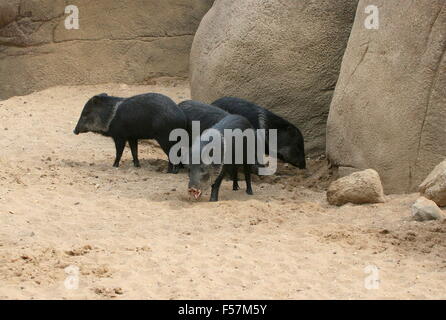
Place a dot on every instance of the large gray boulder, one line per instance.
(283, 55)
(117, 41)
(389, 107)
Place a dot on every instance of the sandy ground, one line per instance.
(134, 233)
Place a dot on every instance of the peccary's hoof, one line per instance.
(116, 165)
(173, 169)
(235, 187)
(137, 165)
(213, 200)
(249, 192)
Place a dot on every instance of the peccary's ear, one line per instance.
(98, 98)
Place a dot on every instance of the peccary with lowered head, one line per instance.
(200, 174)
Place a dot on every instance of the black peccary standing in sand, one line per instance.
(200, 174)
(290, 142)
(145, 116)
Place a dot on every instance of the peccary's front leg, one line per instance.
(120, 145)
(235, 185)
(134, 147)
(216, 185)
(247, 169)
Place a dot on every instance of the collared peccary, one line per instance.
(145, 116)
(200, 174)
(290, 142)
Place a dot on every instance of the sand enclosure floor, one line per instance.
(69, 219)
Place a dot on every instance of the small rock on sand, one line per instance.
(424, 210)
(358, 188)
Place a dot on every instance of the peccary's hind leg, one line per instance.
(234, 174)
(120, 145)
(247, 170)
(171, 168)
(134, 147)
(216, 185)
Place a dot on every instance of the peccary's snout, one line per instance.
(196, 193)
(79, 128)
(301, 163)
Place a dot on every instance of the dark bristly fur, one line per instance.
(290, 142)
(208, 115)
